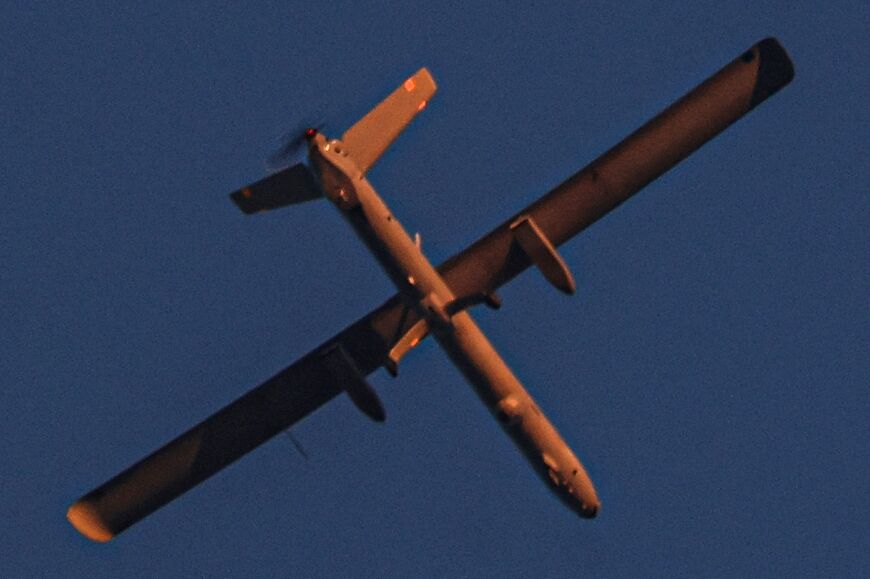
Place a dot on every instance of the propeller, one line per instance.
(292, 143)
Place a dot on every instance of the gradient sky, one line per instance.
(711, 372)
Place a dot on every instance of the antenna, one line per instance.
(296, 443)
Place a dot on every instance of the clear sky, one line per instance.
(711, 372)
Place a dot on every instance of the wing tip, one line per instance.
(775, 70)
(87, 521)
(426, 80)
(242, 199)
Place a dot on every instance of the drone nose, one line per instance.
(589, 511)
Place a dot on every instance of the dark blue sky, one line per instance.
(711, 372)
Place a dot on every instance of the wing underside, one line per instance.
(496, 258)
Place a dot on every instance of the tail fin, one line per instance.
(367, 140)
(292, 185)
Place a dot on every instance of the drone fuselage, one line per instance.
(424, 290)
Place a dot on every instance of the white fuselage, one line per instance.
(425, 290)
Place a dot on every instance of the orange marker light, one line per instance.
(246, 192)
(410, 85)
(421, 106)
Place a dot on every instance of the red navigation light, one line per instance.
(310, 133)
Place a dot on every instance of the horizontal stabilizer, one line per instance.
(367, 140)
(292, 185)
(543, 254)
(348, 377)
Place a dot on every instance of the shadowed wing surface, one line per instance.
(292, 185)
(490, 262)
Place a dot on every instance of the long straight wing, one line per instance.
(212, 444)
(642, 157)
(303, 387)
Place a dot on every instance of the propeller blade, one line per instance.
(292, 142)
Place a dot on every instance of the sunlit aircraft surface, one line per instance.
(430, 301)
